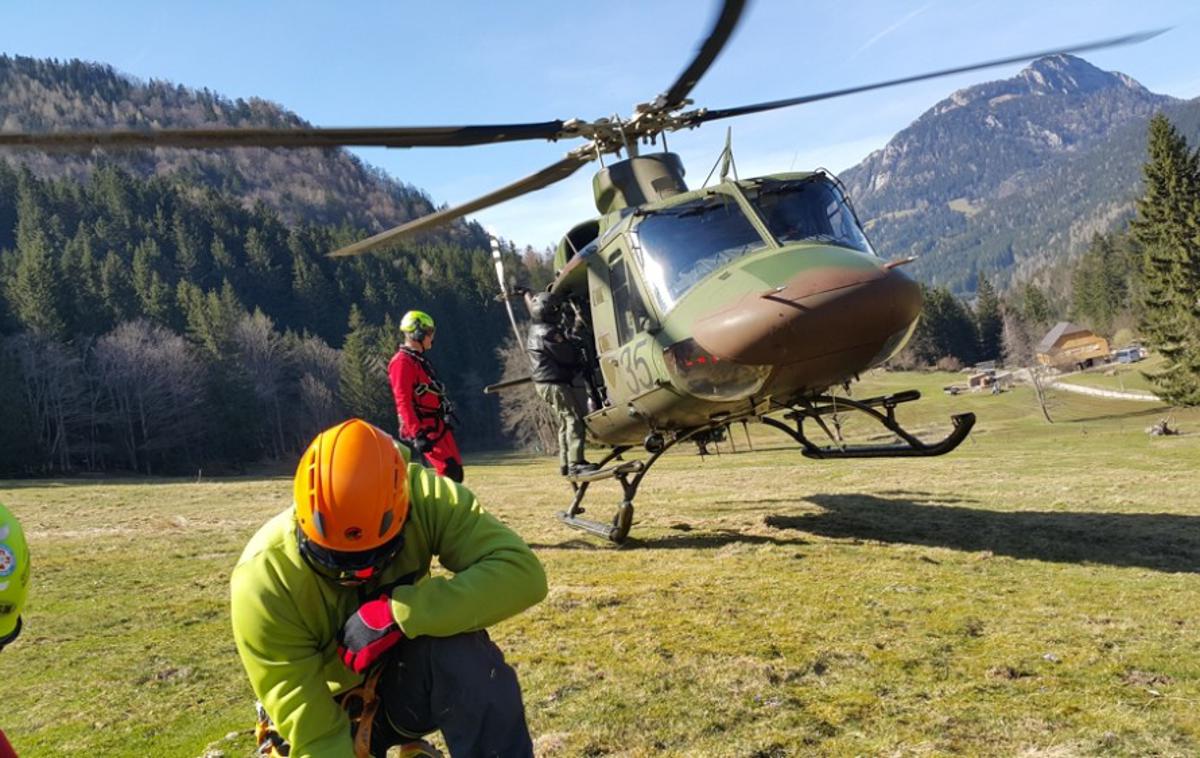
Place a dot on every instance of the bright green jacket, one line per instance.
(286, 617)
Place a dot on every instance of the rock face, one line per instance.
(1007, 175)
(321, 186)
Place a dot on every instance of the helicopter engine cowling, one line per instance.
(638, 180)
(862, 314)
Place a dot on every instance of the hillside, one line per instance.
(1008, 176)
(328, 187)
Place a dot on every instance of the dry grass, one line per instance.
(1034, 593)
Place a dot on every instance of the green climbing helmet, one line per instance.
(418, 324)
(14, 575)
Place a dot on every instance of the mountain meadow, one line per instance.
(1032, 593)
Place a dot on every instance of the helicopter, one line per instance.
(704, 307)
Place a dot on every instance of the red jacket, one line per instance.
(6, 750)
(423, 408)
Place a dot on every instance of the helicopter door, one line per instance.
(620, 318)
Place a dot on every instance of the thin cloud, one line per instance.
(871, 42)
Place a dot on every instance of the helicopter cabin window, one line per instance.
(627, 304)
(808, 210)
(685, 243)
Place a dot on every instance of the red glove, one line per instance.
(370, 632)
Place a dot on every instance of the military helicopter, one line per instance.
(705, 307)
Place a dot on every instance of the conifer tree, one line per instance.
(154, 295)
(35, 290)
(1167, 227)
(988, 323)
(1034, 306)
(363, 383)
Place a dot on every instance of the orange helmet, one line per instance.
(351, 493)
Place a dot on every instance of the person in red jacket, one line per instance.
(424, 411)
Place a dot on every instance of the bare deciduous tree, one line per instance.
(262, 359)
(152, 382)
(530, 421)
(317, 363)
(54, 393)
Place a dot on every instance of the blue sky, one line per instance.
(417, 63)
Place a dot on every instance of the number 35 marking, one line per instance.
(636, 367)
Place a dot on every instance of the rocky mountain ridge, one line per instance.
(957, 187)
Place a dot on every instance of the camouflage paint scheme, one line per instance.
(812, 315)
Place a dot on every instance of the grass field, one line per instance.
(1033, 593)
(1119, 376)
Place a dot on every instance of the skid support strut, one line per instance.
(629, 475)
(907, 445)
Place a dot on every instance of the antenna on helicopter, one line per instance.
(724, 160)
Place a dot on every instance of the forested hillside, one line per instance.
(319, 186)
(1007, 177)
(158, 327)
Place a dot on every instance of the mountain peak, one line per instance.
(1066, 74)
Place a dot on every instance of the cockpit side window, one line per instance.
(627, 303)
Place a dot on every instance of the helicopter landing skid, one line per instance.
(629, 474)
(907, 446)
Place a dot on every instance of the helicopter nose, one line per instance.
(815, 314)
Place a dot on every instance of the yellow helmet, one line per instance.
(417, 324)
(14, 575)
(351, 494)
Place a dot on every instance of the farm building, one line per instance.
(1068, 345)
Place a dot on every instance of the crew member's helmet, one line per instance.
(546, 308)
(417, 324)
(14, 576)
(351, 493)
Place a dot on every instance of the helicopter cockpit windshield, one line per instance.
(683, 244)
(812, 209)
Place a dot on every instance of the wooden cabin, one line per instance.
(1068, 346)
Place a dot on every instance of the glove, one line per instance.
(423, 444)
(368, 635)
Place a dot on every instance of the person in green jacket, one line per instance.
(14, 588)
(336, 591)
(14, 575)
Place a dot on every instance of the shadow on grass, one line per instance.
(1067, 416)
(698, 540)
(1163, 542)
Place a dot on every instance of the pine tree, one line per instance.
(116, 289)
(1167, 227)
(1035, 307)
(988, 323)
(34, 290)
(154, 295)
(363, 384)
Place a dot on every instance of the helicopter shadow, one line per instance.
(690, 540)
(1158, 541)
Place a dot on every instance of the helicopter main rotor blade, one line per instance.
(712, 115)
(544, 178)
(301, 137)
(673, 98)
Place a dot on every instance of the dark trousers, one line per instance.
(460, 685)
